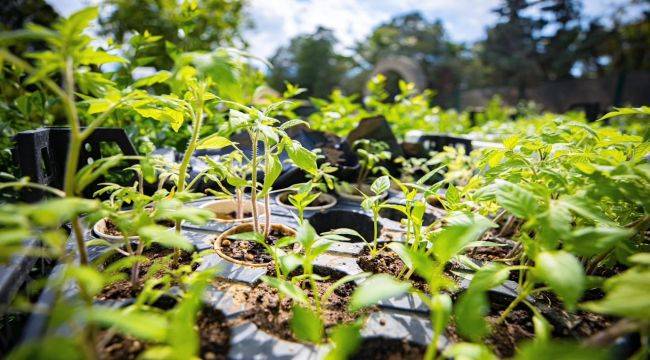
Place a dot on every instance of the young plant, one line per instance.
(274, 140)
(308, 321)
(371, 154)
(230, 168)
(428, 262)
(375, 204)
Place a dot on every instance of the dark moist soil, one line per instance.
(214, 340)
(389, 349)
(488, 253)
(518, 326)
(317, 202)
(268, 313)
(232, 215)
(122, 288)
(250, 251)
(387, 262)
(111, 227)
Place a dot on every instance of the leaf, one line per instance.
(470, 311)
(159, 77)
(559, 350)
(516, 200)
(469, 351)
(306, 235)
(214, 142)
(346, 338)
(563, 273)
(165, 236)
(291, 123)
(303, 158)
(489, 277)
(306, 325)
(287, 288)
(380, 185)
(140, 324)
(376, 288)
(401, 251)
(627, 295)
(275, 170)
(452, 239)
(590, 241)
(247, 236)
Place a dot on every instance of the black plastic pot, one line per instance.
(335, 219)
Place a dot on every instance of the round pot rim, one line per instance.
(98, 230)
(260, 208)
(332, 202)
(237, 229)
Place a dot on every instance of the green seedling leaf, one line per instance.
(345, 338)
(559, 350)
(306, 325)
(401, 250)
(516, 200)
(306, 235)
(376, 288)
(247, 236)
(627, 295)
(344, 232)
(563, 273)
(380, 185)
(469, 351)
(140, 324)
(159, 77)
(214, 142)
(303, 158)
(590, 241)
(165, 237)
(288, 288)
(470, 311)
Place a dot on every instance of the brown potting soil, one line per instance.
(504, 337)
(122, 289)
(488, 253)
(111, 227)
(274, 316)
(389, 349)
(232, 215)
(250, 251)
(387, 262)
(214, 335)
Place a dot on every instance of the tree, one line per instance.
(190, 25)
(427, 42)
(311, 61)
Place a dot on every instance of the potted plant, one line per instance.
(230, 205)
(312, 195)
(270, 134)
(371, 154)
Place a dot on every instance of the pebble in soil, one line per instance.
(250, 251)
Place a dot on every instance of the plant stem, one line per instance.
(522, 295)
(240, 206)
(256, 223)
(267, 197)
(191, 146)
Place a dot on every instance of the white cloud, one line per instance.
(277, 21)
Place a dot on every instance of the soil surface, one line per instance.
(273, 315)
(122, 289)
(250, 251)
(232, 215)
(213, 331)
(389, 349)
(518, 325)
(111, 227)
(387, 262)
(488, 253)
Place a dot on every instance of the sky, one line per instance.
(277, 21)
